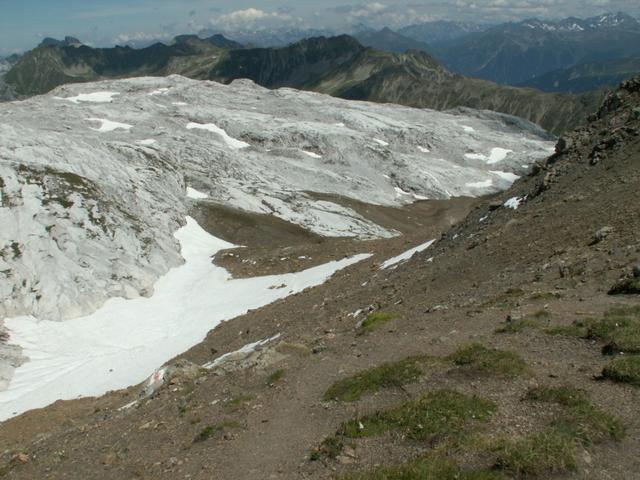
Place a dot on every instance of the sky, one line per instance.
(23, 23)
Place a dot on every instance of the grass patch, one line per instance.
(210, 430)
(515, 326)
(624, 369)
(293, 349)
(387, 375)
(574, 330)
(490, 360)
(541, 314)
(275, 377)
(626, 286)
(434, 416)
(580, 419)
(330, 447)
(545, 453)
(375, 320)
(236, 403)
(432, 467)
(531, 321)
(619, 328)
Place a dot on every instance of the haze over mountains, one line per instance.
(514, 53)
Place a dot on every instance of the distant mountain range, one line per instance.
(433, 33)
(339, 66)
(67, 42)
(274, 37)
(387, 39)
(586, 77)
(514, 53)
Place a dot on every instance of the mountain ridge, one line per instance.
(514, 52)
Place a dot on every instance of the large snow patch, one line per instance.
(122, 343)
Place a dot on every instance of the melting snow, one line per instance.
(195, 194)
(96, 97)
(496, 155)
(123, 342)
(423, 149)
(393, 262)
(482, 184)
(513, 202)
(210, 127)
(508, 176)
(400, 193)
(381, 142)
(109, 125)
(311, 154)
(242, 352)
(159, 91)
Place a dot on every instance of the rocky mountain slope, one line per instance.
(339, 66)
(499, 327)
(48, 66)
(587, 77)
(513, 53)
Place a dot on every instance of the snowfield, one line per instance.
(123, 342)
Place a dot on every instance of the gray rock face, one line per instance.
(94, 177)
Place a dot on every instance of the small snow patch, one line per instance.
(381, 142)
(96, 97)
(423, 149)
(468, 129)
(179, 104)
(496, 155)
(311, 154)
(195, 194)
(513, 202)
(109, 125)
(242, 352)
(160, 91)
(403, 257)
(231, 142)
(148, 142)
(508, 176)
(402, 193)
(482, 184)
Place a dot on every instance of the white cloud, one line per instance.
(253, 18)
(139, 37)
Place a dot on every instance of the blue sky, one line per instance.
(23, 23)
